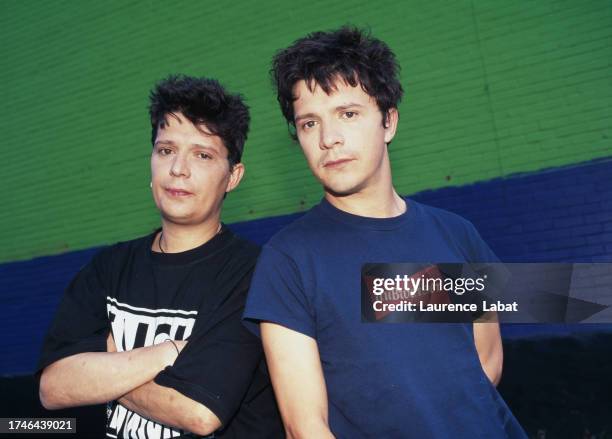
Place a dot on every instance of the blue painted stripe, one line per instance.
(562, 214)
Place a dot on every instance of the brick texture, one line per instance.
(492, 89)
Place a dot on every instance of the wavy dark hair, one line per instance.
(202, 101)
(321, 58)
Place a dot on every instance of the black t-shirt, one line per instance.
(144, 298)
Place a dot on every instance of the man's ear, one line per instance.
(391, 119)
(236, 174)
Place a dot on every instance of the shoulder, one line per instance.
(243, 248)
(137, 244)
(119, 252)
(238, 254)
(445, 220)
(458, 231)
(302, 233)
(235, 260)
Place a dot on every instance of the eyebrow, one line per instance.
(305, 116)
(193, 145)
(349, 105)
(338, 108)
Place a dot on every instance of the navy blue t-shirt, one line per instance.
(383, 380)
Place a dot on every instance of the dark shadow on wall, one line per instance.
(560, 387)
(19, 399)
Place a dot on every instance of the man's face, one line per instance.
(190, 172)
(343, 137)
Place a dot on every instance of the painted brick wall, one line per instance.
(492, 88)
(559, 214)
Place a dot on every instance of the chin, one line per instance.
(177, 217)
(341, 190)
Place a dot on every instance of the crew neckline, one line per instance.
(195, 254)
(366, 222)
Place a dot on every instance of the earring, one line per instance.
(151, 184)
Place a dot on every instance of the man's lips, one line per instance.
(336, 163)
(178, 192)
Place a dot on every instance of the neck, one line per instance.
(388, 206)
(176, 238)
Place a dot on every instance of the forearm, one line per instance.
(169, 407)
(492, 365)
(98, 377)
(297, 377)
(489, 347)
(304, 429)
(302, 417)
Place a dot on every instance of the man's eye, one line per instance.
(204, 156)
(164, 151)
(349, 114)
(309, 124)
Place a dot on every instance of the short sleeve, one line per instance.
(488, 264)
(278, 295)
(221, 357)
(80, 323)
(479, 251)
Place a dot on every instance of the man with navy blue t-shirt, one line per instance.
(333, 375)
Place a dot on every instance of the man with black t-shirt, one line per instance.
(152, 326)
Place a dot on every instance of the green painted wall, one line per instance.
(492, 88)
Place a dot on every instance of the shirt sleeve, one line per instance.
(80, 323)
(219, 361)
(479, 250)
(486, 262)
(278, 295)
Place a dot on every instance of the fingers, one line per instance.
(180, 344)
(110, 343)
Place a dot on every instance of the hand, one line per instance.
(180, 344)
(171, 350)
(110, 343)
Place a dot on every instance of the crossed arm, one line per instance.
(297, 377)
(98, 377)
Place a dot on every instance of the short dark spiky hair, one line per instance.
(202, 101)
(321, 58)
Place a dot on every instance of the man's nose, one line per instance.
(180, 166)
(330, 136)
